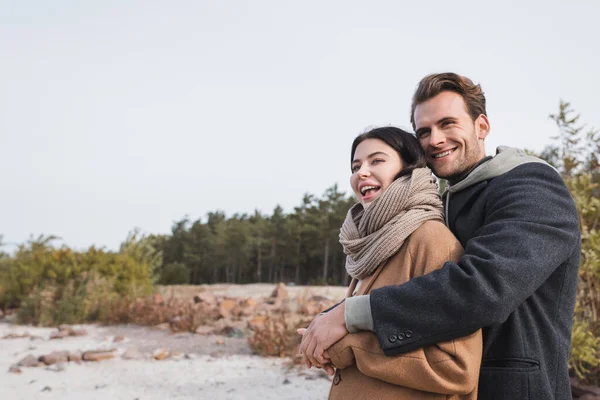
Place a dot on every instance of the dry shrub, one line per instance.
(181, 315)
(277, 335)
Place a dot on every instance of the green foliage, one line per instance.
(174, 274)
(58, 285)
(575, 155)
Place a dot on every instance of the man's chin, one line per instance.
(443, 174)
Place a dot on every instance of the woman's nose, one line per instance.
(364, 172)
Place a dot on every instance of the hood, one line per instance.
(506, 159)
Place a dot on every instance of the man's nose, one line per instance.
(437, 137)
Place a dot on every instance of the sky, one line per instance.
(123, 114)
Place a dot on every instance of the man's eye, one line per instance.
(422, 134)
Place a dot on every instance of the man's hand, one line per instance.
(322, 332)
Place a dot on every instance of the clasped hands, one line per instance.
(325, 330)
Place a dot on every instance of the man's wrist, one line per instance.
(357, 314)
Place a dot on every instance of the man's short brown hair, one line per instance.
(434, 84)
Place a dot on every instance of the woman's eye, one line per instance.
(355, 168)
(377, 161)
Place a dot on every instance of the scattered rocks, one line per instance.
(55, 357)
(133, 354)
(14, 369)
(119, 339)
(160, 354)
(206, 298)
(226, 307)
(234, 332)
(29, 361)
(47, 389)
(205, 330)
(165, 326)
(99, 355)
(16, 335)
(76, 357)
(66, 331)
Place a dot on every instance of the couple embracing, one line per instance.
(465, 297)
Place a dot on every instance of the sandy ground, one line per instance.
(208, 371)
(209, 367)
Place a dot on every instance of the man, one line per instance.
(517, 278)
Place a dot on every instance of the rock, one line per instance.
(16, 335)
(1, 314)
(160, 354)
(119, 339)
(206, 298)
(98, 355)
(234, 332)
(78, 332)
(176, 356)
(286, 381)
(165, 326)
(246, 307)
(14, 369)
(65, 327)
(75, 356)
(55, 357)
(204, 330)
(47, 389)
(29, 361)
(133, 354)
(226, 307)
(59, 335)
(220, 342)
(280, 291)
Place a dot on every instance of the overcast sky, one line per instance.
(123, 114)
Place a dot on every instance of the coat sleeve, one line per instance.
(531, 227)
(446, 368)
(449, 368)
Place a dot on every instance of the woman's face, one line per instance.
(374, 167)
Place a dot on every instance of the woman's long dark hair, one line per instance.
(406, 145)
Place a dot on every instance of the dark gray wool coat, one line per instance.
(517, 279)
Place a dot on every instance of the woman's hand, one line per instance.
(322, 332)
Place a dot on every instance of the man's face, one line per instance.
(452, 141)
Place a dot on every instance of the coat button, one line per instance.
(401, 336)
(393, 338)
(336, 378)
(408, 333)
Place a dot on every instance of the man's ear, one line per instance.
(482, 126)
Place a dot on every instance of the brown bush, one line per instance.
(276, 335)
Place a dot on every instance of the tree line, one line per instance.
(300, 247)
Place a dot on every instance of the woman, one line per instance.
(393, 234)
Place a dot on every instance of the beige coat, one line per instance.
(448, 370)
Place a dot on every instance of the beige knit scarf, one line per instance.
(369, 237)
